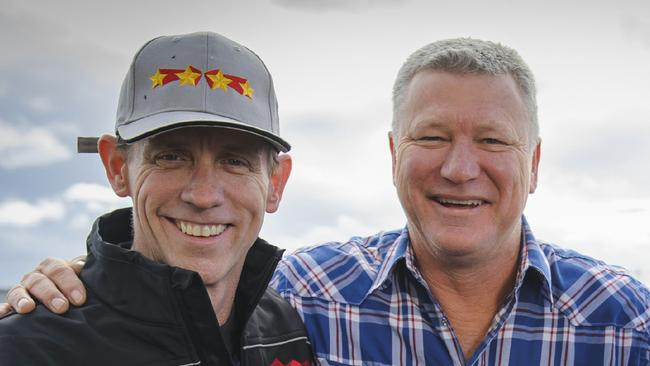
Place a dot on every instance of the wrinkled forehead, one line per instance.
(438, 97)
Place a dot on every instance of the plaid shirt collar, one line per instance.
(533, 263)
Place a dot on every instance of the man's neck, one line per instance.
(222, 297)
(221, 293)
(470, 296)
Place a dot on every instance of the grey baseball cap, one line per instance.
(197, 79)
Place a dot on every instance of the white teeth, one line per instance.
(200, 230)
(459, 202)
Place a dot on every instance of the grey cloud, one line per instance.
(609, 161)
(337, 5)
(637, 27)
(41, 42)
(53, 106)
(347, 175)
(339, 128)
(41, 116)
(631, 211)
(24, 34)
(40, 104)
(23, 249)
(49, 180)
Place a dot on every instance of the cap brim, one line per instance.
(166, 121)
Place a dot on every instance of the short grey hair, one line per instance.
(468, 56)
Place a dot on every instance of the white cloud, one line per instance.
(600, 158)
(40, 104)
(22, 213)
(343, 228)
(81, 202)
(95, 197)
(81, 221)
(29, 146)
(613, 230)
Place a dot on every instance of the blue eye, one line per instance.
(432, 138)
(235, 162)
(169, 157)
(491, 141)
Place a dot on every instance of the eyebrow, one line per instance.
(158, 144)
(155, 144)
(483, 126)
(428, 123)
(502, 128)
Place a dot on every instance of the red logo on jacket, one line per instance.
(277, 362)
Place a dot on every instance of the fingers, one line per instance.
(64, 276)
(77, 263)
(44, 290)
(19, 299)
(4, 309)
(54, 283)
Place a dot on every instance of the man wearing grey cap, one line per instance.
(181, 278)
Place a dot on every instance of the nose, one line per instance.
(205, 188)
(460, 164)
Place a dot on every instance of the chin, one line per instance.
(209, 279)
(208, 276)
(216, 273)
(206, 269)
(452, 247)
(459, 242)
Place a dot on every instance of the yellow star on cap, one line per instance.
(157, 79)
(188, 76)
(247, 90)
(219, 81)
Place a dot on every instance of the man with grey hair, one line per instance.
(465, 282)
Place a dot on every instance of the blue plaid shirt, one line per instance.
(364, 302)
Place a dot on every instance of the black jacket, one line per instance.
(140, 312)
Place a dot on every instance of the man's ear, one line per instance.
(537, 154)
(393, 153)
(115, 164)
(278, 182)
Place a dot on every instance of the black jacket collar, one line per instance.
(148, 290)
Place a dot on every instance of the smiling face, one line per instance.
(462, 164)
(199, 197)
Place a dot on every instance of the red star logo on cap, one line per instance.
(218, 80)
(157, 79)
(247, 90)
(190, 76)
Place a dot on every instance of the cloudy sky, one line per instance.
(333, 63)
